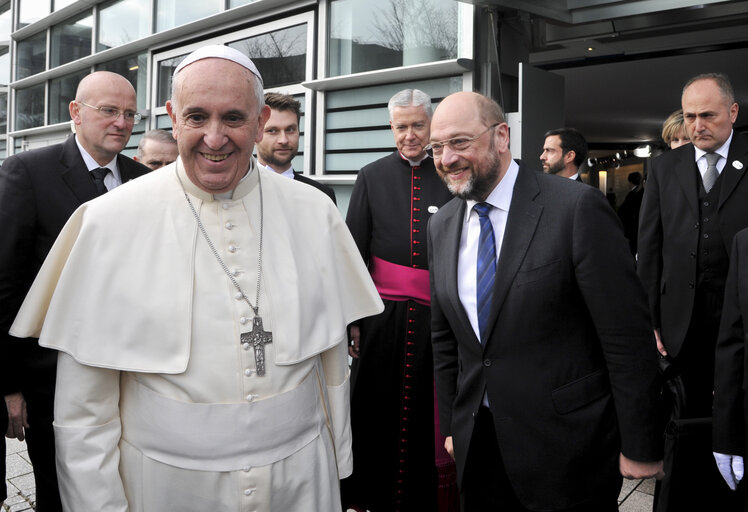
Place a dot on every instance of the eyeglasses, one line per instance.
(113, 113)
(456, 144)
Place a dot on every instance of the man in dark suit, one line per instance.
(545, 374)
(564, 152)
(39, 190)
(280, 140)
(694, 203)
(731, 378)
(628, 212)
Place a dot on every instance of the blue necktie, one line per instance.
(486, 268)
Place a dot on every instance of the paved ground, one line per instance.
(19, 478)
(636, 496)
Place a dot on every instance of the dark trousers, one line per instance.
(485, 484)
(40, 441)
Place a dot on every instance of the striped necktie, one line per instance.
(486, 273)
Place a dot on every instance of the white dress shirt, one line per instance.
(722, 152)
(111, 180)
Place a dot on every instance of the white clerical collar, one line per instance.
(288, 173)
(91, 164)
(244, 187)
(722, 151)
(414, 163)
(501, 195)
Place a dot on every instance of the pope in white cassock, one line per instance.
(200, 313)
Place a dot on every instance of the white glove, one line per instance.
(731, 468)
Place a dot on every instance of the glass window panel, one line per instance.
(366, 35)
(61, 93)
(59, 4)
(357, 121)
(377, 139)
(237, 3)
(345, 163)
(71, 40)
(134, 68)
(3, 150)
(5, 22)
(3, 113)
(173, 13)
(30, 11)
(165, 71)
(121, 22)
(29, 107)
(32, 55)
(163, 122)
(4, 67)
(280, 56)
(357, 118)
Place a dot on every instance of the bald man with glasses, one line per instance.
(39, 190)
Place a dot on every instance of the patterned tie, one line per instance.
(711, 174)
(98, 177)
(486, 268)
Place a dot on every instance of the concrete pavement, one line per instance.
(636, 495)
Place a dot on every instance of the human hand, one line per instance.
(731, 468)
(660, 347)
(635, 470)
(449, 447)
(17, 419)
(353, 350)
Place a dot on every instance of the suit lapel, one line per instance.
(685, 172)
(521, 223)
(75, 173)
(733, 171)
(451, 235)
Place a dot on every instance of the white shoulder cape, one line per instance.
(116, 289)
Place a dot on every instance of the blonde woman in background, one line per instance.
(674, 131)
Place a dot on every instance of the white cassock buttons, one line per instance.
(245, 346)
(248, 372)
(232, 248)
(250, 398)
(243, 320)
(229, 225)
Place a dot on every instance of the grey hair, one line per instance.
(411, 98)
(251, 78)
(157, 135)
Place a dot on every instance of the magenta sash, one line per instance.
(400, 283)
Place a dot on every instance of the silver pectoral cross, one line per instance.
(258, 338)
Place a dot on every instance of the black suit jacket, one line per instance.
(39, 190)
(730, 411)
(669, 231)
(569, 366)
(319, 186)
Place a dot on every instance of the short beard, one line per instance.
(273, 162)
(556, 168)
(477, 188)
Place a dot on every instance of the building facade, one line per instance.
(343, 59)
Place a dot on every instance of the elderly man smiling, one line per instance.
(214, 374)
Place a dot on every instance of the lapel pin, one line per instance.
(737, 164)
(434, 209)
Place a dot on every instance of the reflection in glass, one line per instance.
(5, 22)
(237, 3)
(3, 112)
(71, 40)
(30, 11)
(173, 13)
(32, 55)
(280, 56)
(134, 69)
(121, 22)
(367, 35)
(4, 68)
(165, 71)
(29, 107)
(61, 93)
(59, 4)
